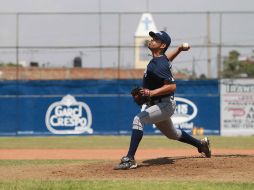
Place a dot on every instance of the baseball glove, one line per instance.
(140, 95)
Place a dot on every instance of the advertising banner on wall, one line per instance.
(99, 107)
(237, 107)
(198, 107)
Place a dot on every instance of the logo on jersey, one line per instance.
(69, 116)
(185, 111)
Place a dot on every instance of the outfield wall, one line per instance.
(98, 107)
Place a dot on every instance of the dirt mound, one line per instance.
(218, 168)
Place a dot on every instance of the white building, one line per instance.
(146, 24)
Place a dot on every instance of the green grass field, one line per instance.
(120, 185)
(114, 142)
(109, 142)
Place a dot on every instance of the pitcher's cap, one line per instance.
(163, 36)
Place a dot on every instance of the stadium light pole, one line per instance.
(119, 45)
(219, 68)
(208, 46)
(17, 45)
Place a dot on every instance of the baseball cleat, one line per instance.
(126, 163)
(205, 147)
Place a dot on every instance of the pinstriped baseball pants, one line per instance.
(159, 114)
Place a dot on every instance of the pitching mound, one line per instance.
(218, 168)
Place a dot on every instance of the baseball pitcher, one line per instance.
(157, 94)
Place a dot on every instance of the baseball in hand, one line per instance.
(185, 45)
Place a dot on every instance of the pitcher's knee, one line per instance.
(137, 124)
(174, 135)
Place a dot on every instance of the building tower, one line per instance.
(146, 24)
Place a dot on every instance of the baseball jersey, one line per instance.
(158, 70)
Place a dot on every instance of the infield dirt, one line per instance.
(160, 164)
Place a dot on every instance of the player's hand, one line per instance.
(145, 92)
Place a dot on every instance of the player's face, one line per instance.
(155, 44)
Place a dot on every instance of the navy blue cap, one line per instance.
(163, 36)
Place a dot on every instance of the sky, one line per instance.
(123, 5)
(84, 30)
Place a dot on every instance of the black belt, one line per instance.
(158, 100)
(152, 102)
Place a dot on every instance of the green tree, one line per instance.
(231, 64)
(233, 67)
(10, 64)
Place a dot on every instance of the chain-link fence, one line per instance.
(101, 44)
